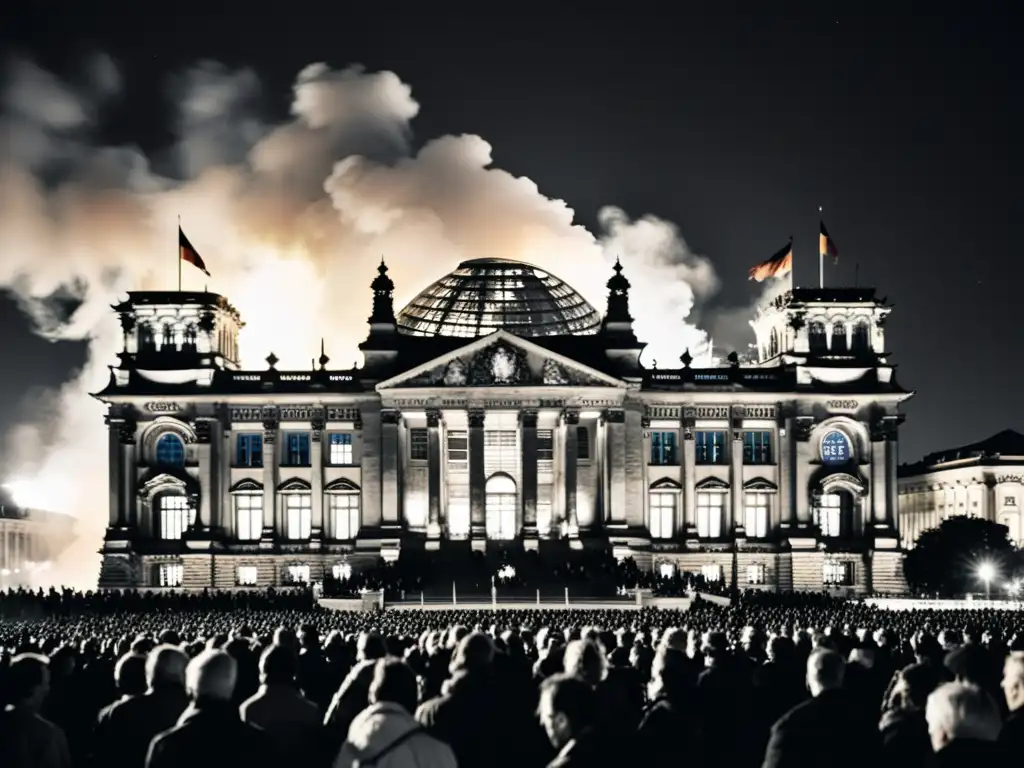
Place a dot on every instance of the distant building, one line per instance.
(984, 479)
(30, 539)
(500, 409)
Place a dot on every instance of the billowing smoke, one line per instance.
(291, 220)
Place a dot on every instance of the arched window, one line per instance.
(501, 507)
(860, 339)
(174, 514)
(816, 337)
(170, 451)
(773, 343)
(839, 346)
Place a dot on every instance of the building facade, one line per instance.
(29, 541)
(500, 409)
(984, 479)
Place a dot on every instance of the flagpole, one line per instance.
(821, 269)
(179, 253)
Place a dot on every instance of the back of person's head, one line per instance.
(27, 681)
(669, 674)
(211, 676)
(584, 660)
(371, 646)
(165, 666)
(568, 705)
(130, 674)
(143, 645)
(394, 682)
(673, 637)
(715, 645)
(914, 684)
(970, 664)
(278, 665)
(286, 636)
(825, 671)
(961, 711)
(475, 652)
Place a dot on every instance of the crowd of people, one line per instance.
(129, 680)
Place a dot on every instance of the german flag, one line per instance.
(778, 266)
(827, 246)
(190, 254)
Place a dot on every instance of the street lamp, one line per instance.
(987, 572)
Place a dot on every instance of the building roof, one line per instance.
(484, 295)
(1000, 447)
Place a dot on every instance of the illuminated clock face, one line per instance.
(835, 448)
(503, 366)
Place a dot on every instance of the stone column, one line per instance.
(316, 476)
(204, 512)
(786, 512)
(878, 498)
(370, 424)
(571, 419)
(736, 472)
(477, 477)
(115, 473)
(803, 456)
(390, 463)
(689, 473)
(615, 433)
(434, 462)
(270, 425)
(129, 475)
(528, 447)
(225, 457)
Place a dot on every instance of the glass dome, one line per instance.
(484, 295)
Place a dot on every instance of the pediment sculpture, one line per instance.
(552, 374)
(455, 374)
(500, 364)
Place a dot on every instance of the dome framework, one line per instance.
(484, 295)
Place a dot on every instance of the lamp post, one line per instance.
(987, 572)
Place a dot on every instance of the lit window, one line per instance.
(837, 574)
(299, 513)
(709, 515)
(711, 572)
(249, 451)
(545, 450)
(344, 511)
(816, 337)
(757, 447)
(247, 576)
(663, 514)
(174, 516)
(500, 508)
(298, 574)
(839, 337)
(828, 514)
(663, 449)
(249, 516)
(296, 449)
(341, 449)
(170, 451)
(710, 447)
(341, 572)
(501, 451)
(171, 574)
(458, 511)
(667, 570)
(582, 443)
(418, 444)
(756, 574)
(756, 509)
(458, 451)
(861, 337)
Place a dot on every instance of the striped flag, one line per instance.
(827, 246)
(188, 253)
(778, 266)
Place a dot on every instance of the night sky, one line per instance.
(735, 121)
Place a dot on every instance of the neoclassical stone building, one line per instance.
(30, 540)
(984, 479)
(500, 409)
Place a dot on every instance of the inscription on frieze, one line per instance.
(663, 412)
(254, 413)
(712, 411)
(343, 414)
(164, 406)
(760, 411)
(842, 405)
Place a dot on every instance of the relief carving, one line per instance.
(455, 374)
(803, 428)
(571, 417)
(391, 416)
(433, 418)
(318, 423)
(501, 365)
(528, 419)
(476, 418)
(202, 430)
(615, 416)
(126, 432)
(552, 374)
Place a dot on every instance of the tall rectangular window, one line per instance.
(663, 514)
(249, 516)
(298, 574)
(545, 450)
(340, 449)
(828, 514)
(501, 451)
(710, 447)
(582, 443)
(709, 515)
(458, 511)
(458, 450)
(837, 574)
(757, 447)
(756, 514)
(344, 511)
(247, 576)
(296, 449)
(171, 574)
(249, 450)
(298, 516)
(174, 516)
(711, 572)
(663, 449)
(418, 444)
(756, 574)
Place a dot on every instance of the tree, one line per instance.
(946, 559)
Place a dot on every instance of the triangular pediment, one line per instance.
(501, 359)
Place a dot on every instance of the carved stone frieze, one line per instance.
(455, 374)
(433, 418)
(202, 430)
(552, 374)
(571, 417)
(615, 416)
(802, 429)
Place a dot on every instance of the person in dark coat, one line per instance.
(1011, 737)
(209, 733)
(568, 712)
(28, 740)
(963, 723)
(666, 735)
(354, 694)
(903, 727)
(134, 721)
(827, 729)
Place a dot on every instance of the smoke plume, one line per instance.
(291, 219)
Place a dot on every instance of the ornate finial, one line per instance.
(618, 295)
(383, 308)
(654, 363)
(324, 359)
(618, 266)
(686, 358)
(271, 360)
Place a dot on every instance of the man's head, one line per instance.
(394, 682)
(211, 676)
(585, 659)
(165, 666)
(825, 671)
(278, 665)
(28, 681)
(130, 674)
(474, 652)
(961, 711)
(370, 646)
(1013, 680)
(567, 707)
